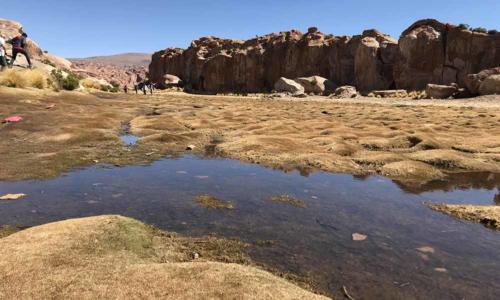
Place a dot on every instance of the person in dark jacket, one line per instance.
(19, 46)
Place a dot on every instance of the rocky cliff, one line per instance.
(11, 29)
(427, 52)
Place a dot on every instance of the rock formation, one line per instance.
(222, 65)
(433, 52)
(427, 52)
(110, 73)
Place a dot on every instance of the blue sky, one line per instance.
(99, 27)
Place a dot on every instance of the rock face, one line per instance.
(12, 29)
(316, 85)
(427, 52)
(284, 85)
(433, 52)
(221, 65)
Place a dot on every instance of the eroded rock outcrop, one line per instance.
(427, 52)
(433, 52)
(222, 65)
(11, 29)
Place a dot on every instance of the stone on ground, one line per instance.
(316, 85)
(436, 91)
(346, 91)
(284, 85)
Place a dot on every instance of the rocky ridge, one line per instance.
(427, 52)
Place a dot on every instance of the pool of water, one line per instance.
(129, 139)
(410, 252)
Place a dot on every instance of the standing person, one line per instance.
(19, 47)
(151, 87)
(136, 88)
(3, 53)
(125, 88)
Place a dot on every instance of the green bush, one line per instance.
(69, 83)
(115, 84)
(464, 26)
(480, 30)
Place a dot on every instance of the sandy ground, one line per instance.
(112, 257)
(412, 141)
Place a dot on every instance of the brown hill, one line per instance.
(121, 60)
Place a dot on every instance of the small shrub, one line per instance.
(69, 83)
(48, 62)
(14, 79)
(464, 26)
(35, 79)
(91, 83)
(114, 89)
(115, 84)
(480, 30)
(105, 88)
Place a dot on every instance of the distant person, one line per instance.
(136, 88)
(125, 88)
(151, 87)
(19, 46)
(3, 53)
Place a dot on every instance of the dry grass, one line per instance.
(289, 200)
(23, 79)
(91, 83)
(7, 230)
(112, 257)
(213, 202)
(489, 216)
(408, 140)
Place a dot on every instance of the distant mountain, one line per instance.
(120, 60)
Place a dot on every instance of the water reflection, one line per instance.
(315, 242)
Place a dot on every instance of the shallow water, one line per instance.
(129, 139)
(316, 241)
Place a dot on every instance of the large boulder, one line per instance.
(11, 29)
(434, 52)
(316, 85)
(474, 82)
(490, 85)
(284, 85)
(371, 72)
(421, 59)
(171, 81)
(436, 91)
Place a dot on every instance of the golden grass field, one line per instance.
(411, 141)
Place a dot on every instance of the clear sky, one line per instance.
(72, 28)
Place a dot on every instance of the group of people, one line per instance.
(143, 85)
(19, 46)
